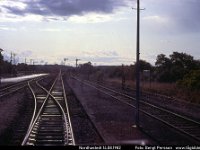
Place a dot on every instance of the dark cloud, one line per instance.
(66, 7)
(186, 14)
(181, 15)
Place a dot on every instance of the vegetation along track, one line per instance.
(51, 124)
(182, 124)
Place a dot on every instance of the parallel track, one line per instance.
(16, 87)
(51, 125)
(184, 125)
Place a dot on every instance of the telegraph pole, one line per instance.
(14, 58)
(77, 62)
(1, 61)
(65, 59)
(31, 61)
(137, 66)
(11, 57)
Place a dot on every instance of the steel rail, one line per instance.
(143, 111)
(35, 103)
(13, 85)
(23, 84)
(16, 84)
(66, 127)
(15, 90)
(61, 110)
(67, 108)
(35, 106)
(167, 97)
(162, 109)
(38, 114)
(158, 95)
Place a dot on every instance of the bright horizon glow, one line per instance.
(22, 78)
(103, 33)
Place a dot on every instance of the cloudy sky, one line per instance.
(100, 31)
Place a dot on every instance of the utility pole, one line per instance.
(1, 50)
(65, 59)
(31, 61)
(123, 78)
(77, 62)
(11, 60)
(11, 57)
(34, 65)
(137, 66)
(14, 58)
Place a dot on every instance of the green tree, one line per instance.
(183, 60)
(191, 81)
(163, 66)
(1, 58)
(175, 67)
(144, 65)
(182, 64)
(87, 69)
(1, 64)
(163, 62)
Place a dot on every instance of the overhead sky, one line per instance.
(100, 31)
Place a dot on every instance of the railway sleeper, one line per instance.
(59, 98)
(44, 141)
(57, 93)
(49, 144)
(50, 131)
(50, 113)
(49, 137)
(51, 106)
(51, 123)
(48, 134)
(51, 119)
(50, 102)
(51, 128)
(39, 97)
(51, 110)
(35, 128)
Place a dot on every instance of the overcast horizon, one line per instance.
(100, 31)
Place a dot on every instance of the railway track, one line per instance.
(50, 124)
(24, 119)
(186, 126)
(34, 100)
(16, 87)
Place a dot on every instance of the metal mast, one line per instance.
(137, 65)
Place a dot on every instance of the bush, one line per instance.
(191, 81)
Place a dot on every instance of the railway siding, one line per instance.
(84, 130)
(114, 122)
(186, 127)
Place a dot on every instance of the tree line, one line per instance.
(180, 68)
(9, 69)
